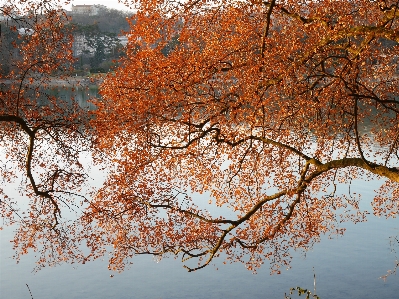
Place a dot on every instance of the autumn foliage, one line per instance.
(260, 107)
(41, 136)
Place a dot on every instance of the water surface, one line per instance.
(345, 267)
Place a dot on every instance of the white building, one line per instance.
(81, 46)
(83, 9)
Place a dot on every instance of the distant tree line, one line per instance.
(96, 44)
(7, 50)
(108, 20)
(96, 39)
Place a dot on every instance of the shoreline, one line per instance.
(70, 81)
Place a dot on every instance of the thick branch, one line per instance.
(267, 26)
(29, 156)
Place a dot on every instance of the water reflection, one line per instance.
(80, 94)
(346, 267)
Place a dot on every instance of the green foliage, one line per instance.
(105, 45)
(7, 37)
(101, 35)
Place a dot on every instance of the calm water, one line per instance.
(345, 267)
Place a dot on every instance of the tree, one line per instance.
(41, 136)
(107, 19)
(259, 106)
(262, 107)
(7, 51)
(99, 45)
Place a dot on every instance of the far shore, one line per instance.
(69, 81)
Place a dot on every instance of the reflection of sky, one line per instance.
(345, 267)
(95, 178)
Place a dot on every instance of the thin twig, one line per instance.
(29, 291)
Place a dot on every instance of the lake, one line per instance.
(345, 267)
